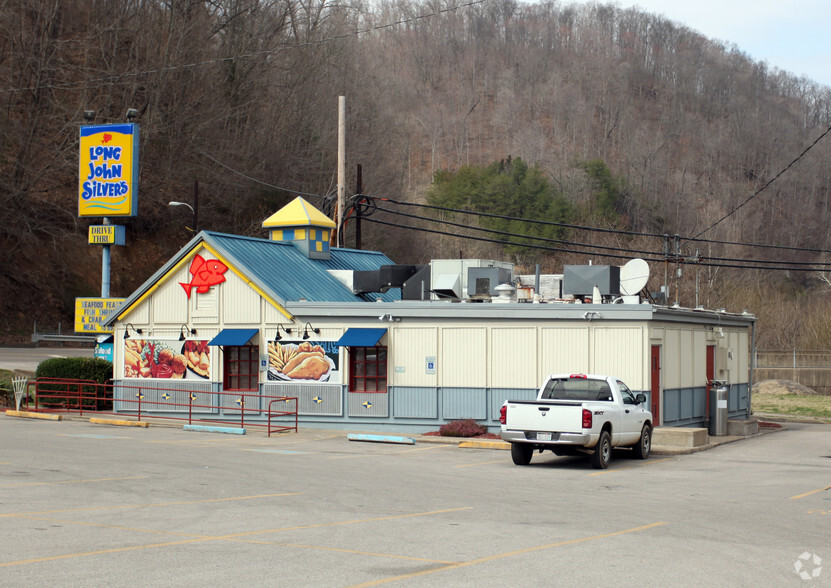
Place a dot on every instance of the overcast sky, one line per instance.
(793, 35)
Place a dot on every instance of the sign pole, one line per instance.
(105, 267)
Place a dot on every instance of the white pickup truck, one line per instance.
(578, 413)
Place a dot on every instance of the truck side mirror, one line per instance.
(640, 399)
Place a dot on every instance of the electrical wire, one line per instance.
(768, 183)
(579, 252)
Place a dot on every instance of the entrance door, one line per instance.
(655, 389)
(711, 373)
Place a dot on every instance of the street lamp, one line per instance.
(174, 203)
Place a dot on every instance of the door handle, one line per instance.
(627, 411)
(545, 408)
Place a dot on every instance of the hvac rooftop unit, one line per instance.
(580, 280)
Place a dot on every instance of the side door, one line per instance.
(632, 416)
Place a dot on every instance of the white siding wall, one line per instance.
(621, 352)
(513, 357)
(671, 370)
(240, 303)
(408, 362)
(700, 358)
(563, 349)
(463, 361)
(686, 360)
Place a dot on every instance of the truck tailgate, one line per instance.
(559, 417)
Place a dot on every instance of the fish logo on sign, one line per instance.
(205, 273)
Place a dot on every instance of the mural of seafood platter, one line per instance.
(304, 361)
(153, 358)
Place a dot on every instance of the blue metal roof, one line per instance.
(360, 337)
(280, 269)
(234, 337)
(285, 271)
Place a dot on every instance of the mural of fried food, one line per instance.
(298, 362)
(197, 354)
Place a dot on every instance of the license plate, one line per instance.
(543, 436)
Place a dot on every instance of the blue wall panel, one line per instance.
(412, 402)
(464, 403)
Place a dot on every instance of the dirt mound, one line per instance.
(781, 387)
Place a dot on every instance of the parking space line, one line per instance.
(798, 496)
(507, 554)
(228, 537)
(356, 552)
(123, 506)
(26, 484)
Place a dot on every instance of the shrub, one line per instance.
(462, 428)
(74, 368)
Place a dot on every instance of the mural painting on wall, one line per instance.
(204, 274)
(303, 361)
(153, 358)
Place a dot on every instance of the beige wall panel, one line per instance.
(686, 360)
(408, 363)
(619, 352)
(140, 315)
(240, 302)
(563, 350)
(463, 361)
(513, 358)
(274, 316)
(700, 358)
(170, 303)
(671, 370)
(742, 354)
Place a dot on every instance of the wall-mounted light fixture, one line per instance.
(591, 315)
(182, 332)
(89, 115)
(388, 318)
(277, 336)
(306, 331)
(132, 114)
(127, 328)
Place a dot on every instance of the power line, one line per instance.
(559, 250)
(773, 179)
(794, 265)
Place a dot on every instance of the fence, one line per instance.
(54, 395)
(809, 368)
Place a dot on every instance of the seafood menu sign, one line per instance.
(109, 170)
(155, 358)
(304, 361)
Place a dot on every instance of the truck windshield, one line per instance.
(577, 389)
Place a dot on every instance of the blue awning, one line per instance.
(235, 337)
(361, 337)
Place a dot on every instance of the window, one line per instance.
(242, 366)
(367, 369)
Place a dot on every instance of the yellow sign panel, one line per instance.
(106, 235)
(108, 170)
(91, 312)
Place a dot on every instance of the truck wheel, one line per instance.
(602, 452)
(521, 453)
(641, 450)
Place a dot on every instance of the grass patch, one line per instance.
(793, 405)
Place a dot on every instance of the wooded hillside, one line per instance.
(238, 100)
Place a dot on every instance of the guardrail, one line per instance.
(61, 337)
(52, 395)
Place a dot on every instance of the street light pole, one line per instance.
(174, 203)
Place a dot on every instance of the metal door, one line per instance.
(655, 382)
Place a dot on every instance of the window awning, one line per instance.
(361, 337)
(235, 337)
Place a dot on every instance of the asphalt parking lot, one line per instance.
(98, 505)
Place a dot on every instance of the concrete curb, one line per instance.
(120, 423)
(211, 429)
(381, 439)
(34, 415)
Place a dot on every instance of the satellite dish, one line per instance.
(633, 277)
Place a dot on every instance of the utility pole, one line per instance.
(358, 206)
(341, 166)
